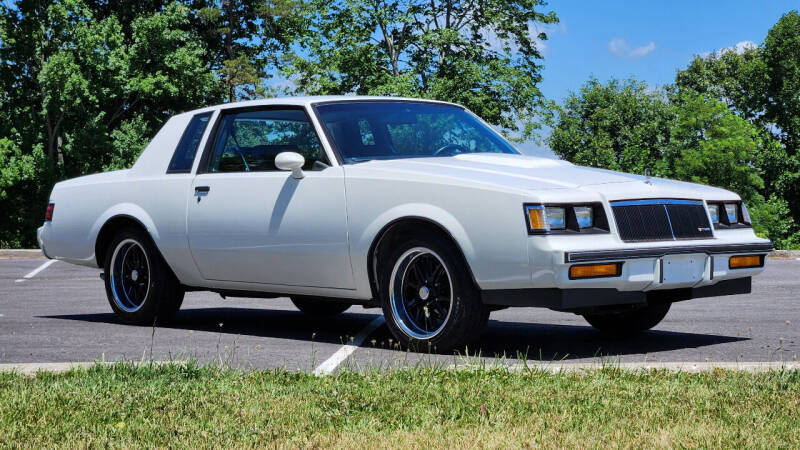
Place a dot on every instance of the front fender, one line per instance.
(431, 213)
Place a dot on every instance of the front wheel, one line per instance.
(628, 323)
(428, 298)
(140, 287)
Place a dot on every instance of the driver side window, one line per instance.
(249, 141)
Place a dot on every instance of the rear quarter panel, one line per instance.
(145, 192)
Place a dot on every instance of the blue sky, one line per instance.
(646, 39)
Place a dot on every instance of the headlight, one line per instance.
(713, 210)
(732, 210)
(746, 214)
(728, 215)
(566, 218)
(584, 216)
(556, 217)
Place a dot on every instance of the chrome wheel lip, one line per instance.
(121, 299)
(399, 314)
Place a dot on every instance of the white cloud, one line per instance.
(742, 46)
(739, 48)
(621, 48)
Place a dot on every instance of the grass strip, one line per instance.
(123, 405)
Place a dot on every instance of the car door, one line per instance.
(250, 222)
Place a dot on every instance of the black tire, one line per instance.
(141, 288)
(320, 307)
(452, 316)
(628, 323)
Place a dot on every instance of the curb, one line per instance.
(685, 367)
(785, 254)
(31, 369)
(12, 253)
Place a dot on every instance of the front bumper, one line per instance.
(577, 300)
(648, 272)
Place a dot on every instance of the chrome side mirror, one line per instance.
(291, 161)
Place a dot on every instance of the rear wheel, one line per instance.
(320, 307)
(140, 287)
(628, 323)
(428, 298)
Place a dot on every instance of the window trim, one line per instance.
(210, 115)
(205, 160)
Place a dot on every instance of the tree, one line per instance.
(620, 125)
(762, 85)
(88, 91)
(481, 53)
(24, 178)
(246, 38)
(678, 133)
(711, 145)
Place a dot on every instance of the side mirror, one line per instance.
(291, 161)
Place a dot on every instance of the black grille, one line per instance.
(661, 220)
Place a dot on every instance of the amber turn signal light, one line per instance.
(537, 222)
(746, 261)
(595, 271)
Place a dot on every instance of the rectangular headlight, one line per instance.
(713, 210)
(556, 217)
(584, 216)
(731, 209)
(746, 215)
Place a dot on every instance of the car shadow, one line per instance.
(532, 341)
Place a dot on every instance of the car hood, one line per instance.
(532, 174)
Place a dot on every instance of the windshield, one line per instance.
(363, 131)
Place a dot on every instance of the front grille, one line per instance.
(661, 220)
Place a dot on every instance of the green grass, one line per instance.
(187, 406)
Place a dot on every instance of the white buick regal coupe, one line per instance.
(417, 207)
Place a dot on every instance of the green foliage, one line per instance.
(762, 86)
(85, 87)
(24, 187)
(481, 54)
(772, 220)
(620, 125)
(731, 120)
(711, 145)
(246, 39)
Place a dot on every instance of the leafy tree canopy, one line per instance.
(480, 53)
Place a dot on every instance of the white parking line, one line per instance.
(35, 271)
(346, 350)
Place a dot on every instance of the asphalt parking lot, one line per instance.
(60, 314)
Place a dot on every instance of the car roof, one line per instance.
(311, 100)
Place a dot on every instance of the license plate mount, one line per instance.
(682, 270)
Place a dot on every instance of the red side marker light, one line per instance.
(48, 215)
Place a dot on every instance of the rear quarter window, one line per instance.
(184, 154)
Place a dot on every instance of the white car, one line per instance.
(415, 206)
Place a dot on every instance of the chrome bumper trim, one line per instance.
(658, 252)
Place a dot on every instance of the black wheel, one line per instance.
(320, 307)
(140, 287)
(628, 323)
(428, 297)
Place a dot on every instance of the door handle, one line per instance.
(201, 191)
